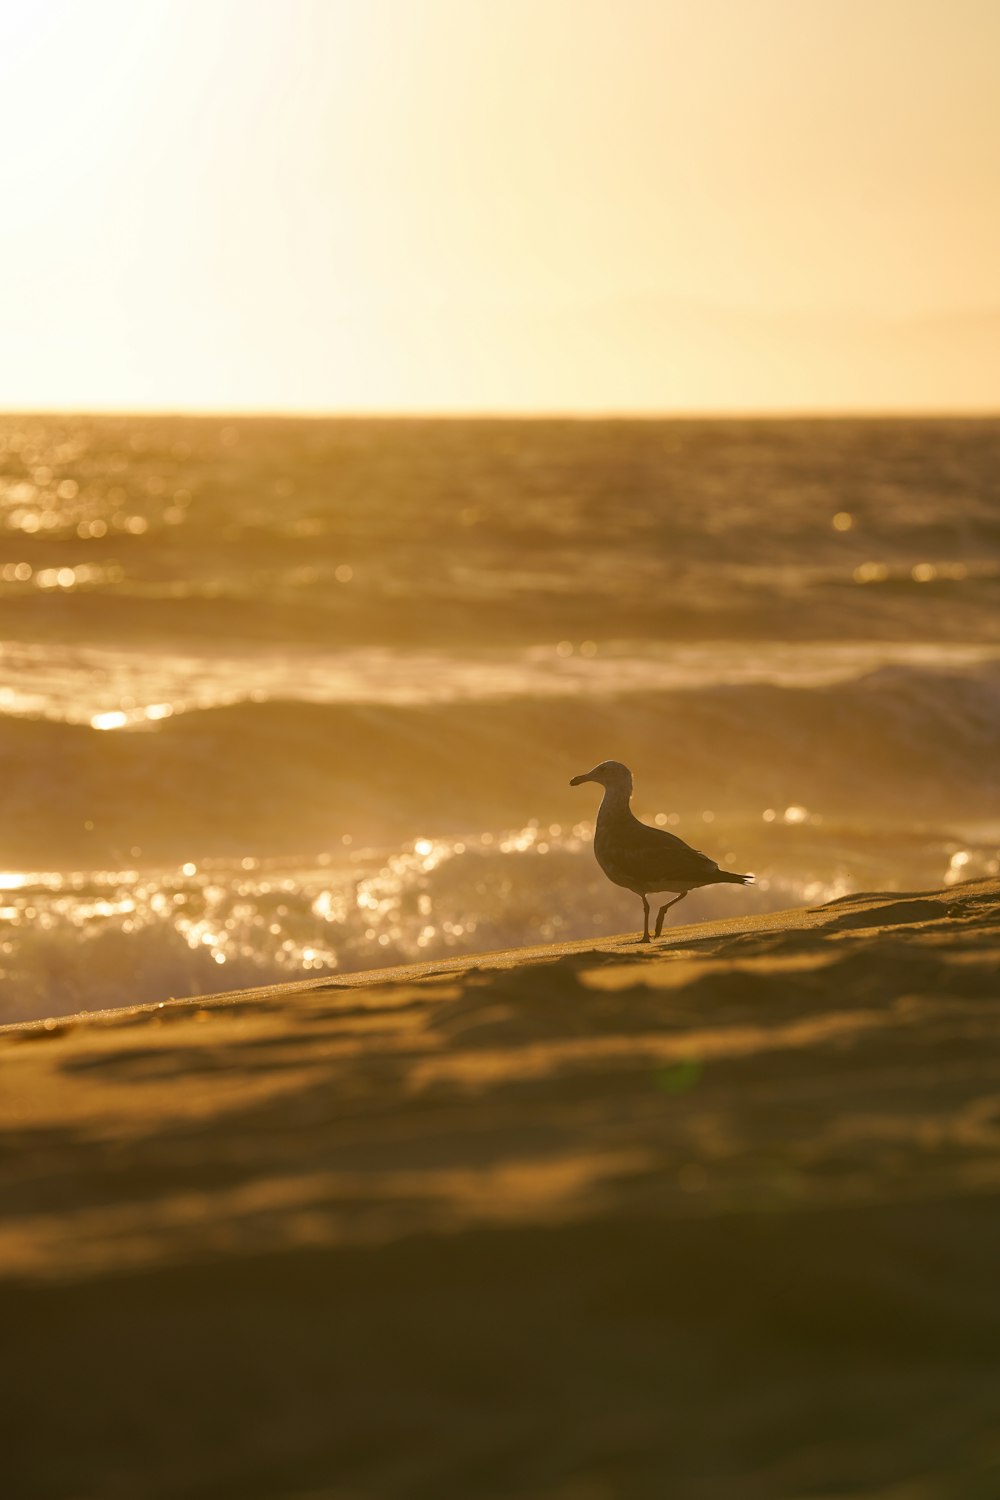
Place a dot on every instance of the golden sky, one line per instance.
(500, 205)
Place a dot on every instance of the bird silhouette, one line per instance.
(644, 859)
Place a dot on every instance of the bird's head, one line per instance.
(611, 775)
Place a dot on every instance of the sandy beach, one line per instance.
(715, 1218)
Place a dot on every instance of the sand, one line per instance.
(719, 1217)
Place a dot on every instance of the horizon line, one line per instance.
(986, 412)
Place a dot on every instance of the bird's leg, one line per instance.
(663, 912)
(645, 921)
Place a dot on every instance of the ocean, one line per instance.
(286, 696)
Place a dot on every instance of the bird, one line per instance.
(644, 859)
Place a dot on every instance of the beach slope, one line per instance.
(717, 1217)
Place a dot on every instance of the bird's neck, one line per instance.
(614, 804)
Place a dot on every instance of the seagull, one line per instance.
(644, 859)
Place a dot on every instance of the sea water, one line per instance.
(302, 696)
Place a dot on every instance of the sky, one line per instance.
(500, 205)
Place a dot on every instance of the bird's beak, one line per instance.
(578, 780)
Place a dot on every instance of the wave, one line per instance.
(128, 687)
(92, 940)
(259, 779)
(582, 594)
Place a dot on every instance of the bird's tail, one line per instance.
(736, 879)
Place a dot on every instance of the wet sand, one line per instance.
(719, 1217)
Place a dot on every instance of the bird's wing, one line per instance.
(652, 855)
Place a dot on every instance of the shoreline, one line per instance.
(676, 942)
